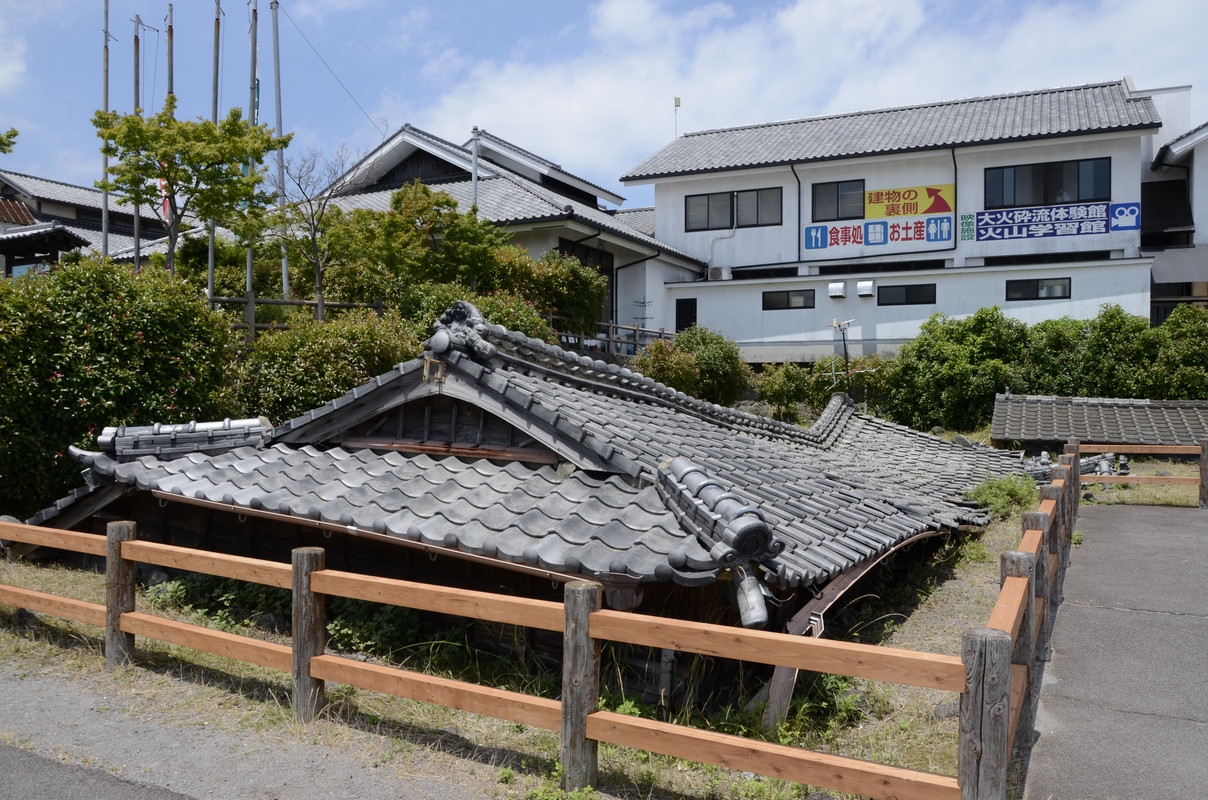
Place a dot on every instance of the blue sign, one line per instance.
(939, 229)
(1125, 216)
(1033, 223)
(876, 233)
(816, 237)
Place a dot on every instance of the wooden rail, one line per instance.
(1018, 618)
(1200, 450)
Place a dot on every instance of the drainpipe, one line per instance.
(800, 230)
(733, 229)
(474, 139)
(616, 272)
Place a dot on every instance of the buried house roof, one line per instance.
(505, 447)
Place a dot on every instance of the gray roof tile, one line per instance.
(1046, 419)
(1048, 113)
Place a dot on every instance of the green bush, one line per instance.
(662, 361)
(784, 387)
(90, 345)
(291, 371)
(1120, 347)
(724, 375)
(1005, 496)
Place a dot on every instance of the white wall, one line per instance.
(735, 307)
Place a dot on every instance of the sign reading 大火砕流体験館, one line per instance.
(1073, 219)
(898, 220)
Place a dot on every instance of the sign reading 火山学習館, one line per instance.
(895, 221)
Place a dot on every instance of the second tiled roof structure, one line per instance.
(1101, 420)
(1044, 114)
(642, 483)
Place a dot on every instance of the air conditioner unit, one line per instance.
(718, 274)
(837, 289)
(864, 288)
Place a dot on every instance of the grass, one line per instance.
(923, 602)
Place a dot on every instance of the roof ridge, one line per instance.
(916, 107)
(519, 149)
(55, 181)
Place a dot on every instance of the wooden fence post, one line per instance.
(310, 633)
(985, 719)
(1037, 520)
(1204, 474)
(580, 685)
(119, 594)
(1018, 564)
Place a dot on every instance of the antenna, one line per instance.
(677, 105)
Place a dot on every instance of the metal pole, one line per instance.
(166, 206)
(251, 115)
(280, 153)
(105, 158)
(137, 23)
(214, 119)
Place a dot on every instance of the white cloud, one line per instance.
(316, 9)
(12, 59)
(603, 108)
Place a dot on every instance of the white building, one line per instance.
(1046, 203)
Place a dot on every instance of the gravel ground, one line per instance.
(80, 722)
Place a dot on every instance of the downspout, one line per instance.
(733, 230)
(616, 271)
(474, 138)
(956, 215)
(800, 230)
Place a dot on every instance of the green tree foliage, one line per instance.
(292, 371)
(949, 374)
(1120, 347)
(784, 387)
(722, 374)
(1053, 358)
(863, 379)
(7, 140)
(91, 345)
(198, 165)
(555, 284)
(1180, 371)
(425, 302)
(662, 361)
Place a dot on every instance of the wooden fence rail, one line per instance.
(996, 676)
(1200, 450)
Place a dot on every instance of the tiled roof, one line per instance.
(1036, 418)
(15, 212)
(59, 192)
(620, 506)
(507, 198)
(36, 231)
(543, 161)
(640, 219)
(1049, 113)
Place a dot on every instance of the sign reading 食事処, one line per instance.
(895, 220)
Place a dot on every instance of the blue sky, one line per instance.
(589, 85)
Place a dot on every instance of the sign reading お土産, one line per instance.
(912, 201)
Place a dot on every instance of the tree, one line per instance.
(311, 182)
(7, 140)
(196, 167)
(701, 363)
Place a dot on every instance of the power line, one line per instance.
(332, 71)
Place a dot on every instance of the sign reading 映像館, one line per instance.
(895, 220)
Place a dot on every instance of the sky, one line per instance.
(590, 86)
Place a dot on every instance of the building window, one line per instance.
(757, 207)
(685, 313)
(1039, 289)
(796, 298)
(1049, 184)
(839, 200)
(916, 294)
(721, 210)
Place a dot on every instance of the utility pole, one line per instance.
(137, 24)
(214, 119)
(252, 105)
(163, 187)
(475, 139)
(105, 158)
(280, 152)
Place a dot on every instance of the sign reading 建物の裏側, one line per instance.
(895, 221)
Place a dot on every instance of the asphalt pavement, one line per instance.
(1123, 710)
(29, 776)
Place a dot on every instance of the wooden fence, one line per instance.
(996, 677)
(249, 302)
(617, 340)
(1200, 450)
